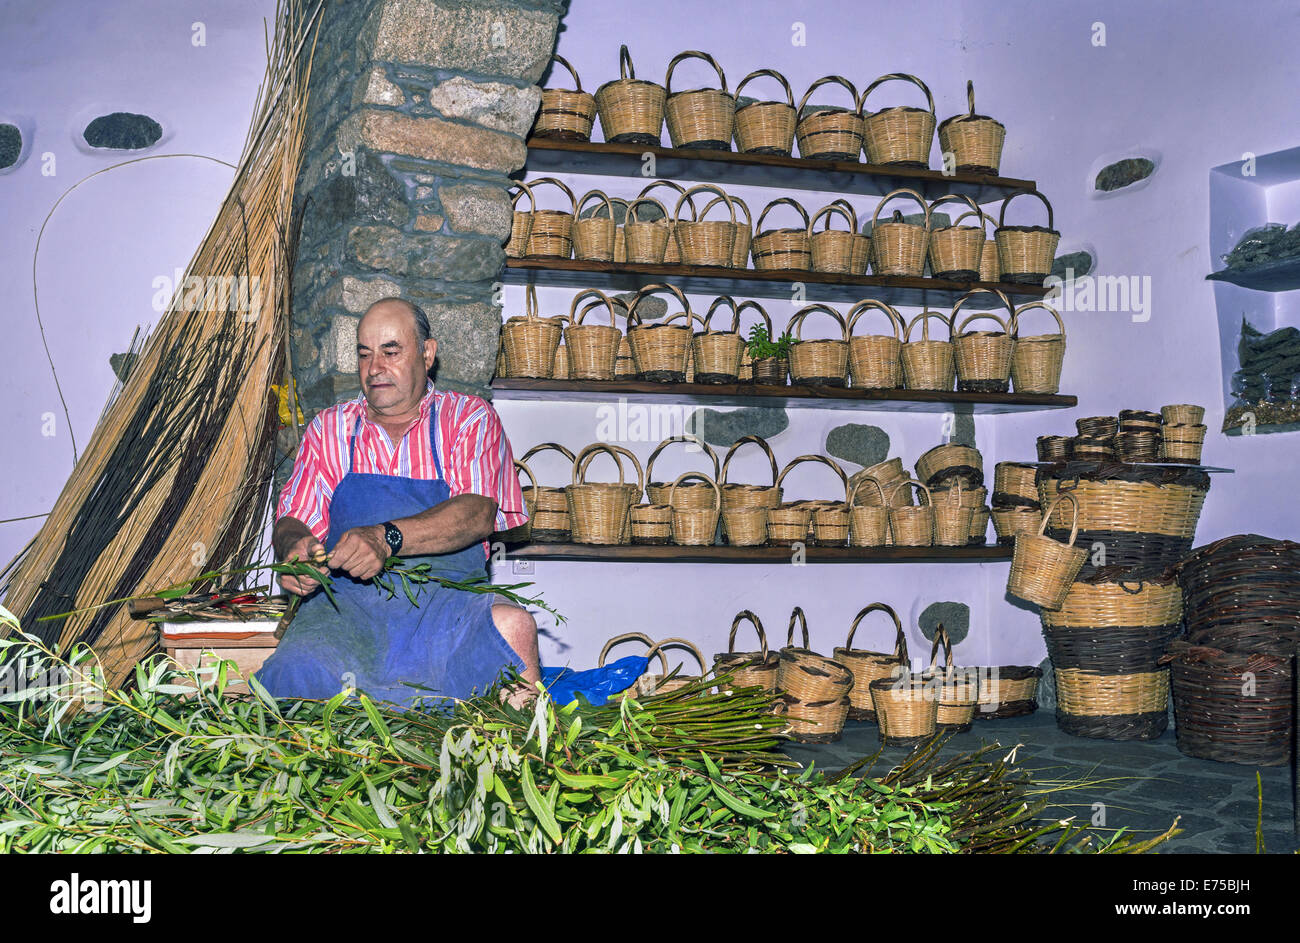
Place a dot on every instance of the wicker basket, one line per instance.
(548, 506)
(594, 236)
(530, 341)
(831, 134)
(990, 274)
(688, 496)
(660, 349)
(737, 495)
(700, 119)
(982, 358)
(521, 222)
(631, 109)
(674, 680)
(781, 248)
(1181, 444)
(927, 364)
(979, 525)
(598, 512)
(952, 518)
(900, 136)
(868, 666)
(1111, 627)
(748, 669)
(651, 524)
(1009, 522)
(645, 240)
(792, 522)
(1014, 485)
(875, 360)
(1025, 253)
(1036, 360)
(644, 684)
(1182, 414)
(868, 523)
(974, 141)
(907, 708)
(704, 242)
(765, 127)
(815, 689)
(744, 234)
(551, 233)
(1008, 691)
(591, 348)
(945, 465)
(672, 252)
(1042, 569)
(912, 526)
(843, 252)
(1053, 448)
(566, 114)
(1112, 706)
(695, 526)
(958, 688)
(899, 248)
(717, 354)
(523, 533)
(822, 362)
(955, 249)
(561, 371)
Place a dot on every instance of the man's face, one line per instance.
(393, 365)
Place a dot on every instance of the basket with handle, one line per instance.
(912, 525)
(944, 465)
(673, 681)
(651, 524)
(868, 523)
(927, 364)
(688, 496)
(591, 348)
(898, 247)
(695, 526)
(786, 248)
(700, 119)
(598, 511)
(907, 708)
(524, 531)
(875, 360)
(625, 363)
(746, 360)
(830, 521)
(815, 689)
(841, 251)
(1025, 253)
(551, 235)
(743, 495)
(745, 525)
(748, 669)
(868, 666)
(521, 221)
(645, 683)
(791, 522)
(701, 241)
(830, 133)
(744, 233)
(955, 249)
(645, 240)
(619, 208)
(530, 341)
(1037, 358)
(952, 518)
(631, 110)
(594, 236)
(672, 252)
(975, 141)
(1042, 569)
(717, 354)
(821, 362)
(989, 271)
(566, 114)
(888, 473)
(765, 127)
(548, 506)
(958, 688)
(899, 136)
(982, 358)
(660, 349)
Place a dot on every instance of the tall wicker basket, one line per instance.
(748, 669)
(592, 348)
(927, 364)
(717, 353)
(875, 360)
(765, 127)
(1025, 253)
(868, 523)
(1037, 358)
(832, 133)
(660, 350)
(958, 688)
(521, 221)
(566, 114)
(900, 136)
(594, 237)
(975, 141)
(982, 358)
(868, 666)
(899, 247)
(672, 254)
(701, 119)
(907, 708)
(688, 495)
(738, 494)
(911, 525)
(530, 341)
(548, 506)
(631, 109)
(695, 526)
(821, 362)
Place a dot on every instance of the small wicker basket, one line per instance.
(912, 526)
(550, 235)
(868, 523)
(974, 141)
(955, 249)
(591, 348)
(822, 362)
(737, 495)
(631, 109)
(718, 353)
(1036, 360)
(952, 518)
(688, 496)
(875, 360)
(521, 221)
(781, 248)
(701, 241)
(843, 252)
(765, 127)
(1010, 522)
(744, 234)
(982, 358)
(1181, 444)
(1014, 485)
(927, 364)
(900, 136)
(695, 526)
(645, 240)
(638, 688)
(945, 465)
(958, 688)
(671, 681)
(1042, 569)
(792, 522)
(672, 253)
(530, 341)
(594, 236)
(700, 119)
(748, 669)
(746, 361)
(830, 134)
(548, 506)
(651, 524)
(1025, 253)
(1182, 414)
(907, 708)
(897, 247)
(598, 512)
(868, 666)
(566, 114)
(660, 350)
(1008, 691)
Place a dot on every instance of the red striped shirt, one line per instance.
(472, 447)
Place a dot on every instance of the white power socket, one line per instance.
(521, 567)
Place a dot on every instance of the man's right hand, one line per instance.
(303, 549)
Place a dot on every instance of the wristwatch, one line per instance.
(393, 537)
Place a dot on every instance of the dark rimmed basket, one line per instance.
(1037, 359)
(875, 360)
(814, 689)
(955, 249)
(1025, 253)
(982, 358)
(631, 109)
(899, 136)
(927, 364)
(548, 506)
(688, 496)
(975, 141)
(756, 669)
(1132, 706)
(867, 666)
(899, 247)
(833, 133)
(907, 708)
(660, 349)
(703, 118)
(782, 248)
(765, 127)
(1008, 691)
(944, 465)
(717, 354)
(530, 342)
(821, 362)
(566, 114)
(599, 511)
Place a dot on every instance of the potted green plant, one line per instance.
(771, 358)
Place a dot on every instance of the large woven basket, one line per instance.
(1042, 569)
(718, 353)
(982, 358)
(548, 506)
(566, 114)
(945, 465)
(598, 512)
(1114, 627)
(899, 136)
(660, 349)
(912, 526)
(701, 241)
(765, 127)
(645, 241)
(592, 348)
(631, 109)
(688, 496)
(1112, 706)
(1037, 358)
(530, 341)
(974, 141)
(898, 247)
(840, 251)
(748, 669)
(830, 133)
(868, 666)
(743, 495)
(521, 221)
(786, 248)
(594, 237)
(1008, 691)
(821, 362)
(815, 689)
(958, 688)
(550, 235)
(1025, 253)
(875, 360)
(955, 249)
(927, 364)
(701, 119)
(907, 708)
(695, 526)
(868, 523)
(672, 252)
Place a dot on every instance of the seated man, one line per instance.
(414, 472)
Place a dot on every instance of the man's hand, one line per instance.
(304, 548)
(361, 552)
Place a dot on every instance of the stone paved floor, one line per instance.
(1152, 784)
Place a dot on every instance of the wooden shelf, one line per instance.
(748, 394)
(641, 553)
(760, 170)
(716, 280)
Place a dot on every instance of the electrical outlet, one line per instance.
(521, 567)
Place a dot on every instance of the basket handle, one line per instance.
(658, 647)
(523, 188)
(837, 206)
(590, 452)
(577, 82)
(735, 315)
(673, 439)
(631, 208)
(1015, 316)
(744, 208)
(758, 627)
(521, 464)
(638, 636)
(672, 185)
(1006, 303)
(941, 638)
(590, 193)
(677, 210)
(636, 464)
(828, 462)
(576, 316)
(693, 54)
(871, 304)
(573, 202)
(828, 80)
(625, 70)
(762, 313)
(909, 482)
(900, 640)
(717, 495)
(796, 322)
(901, 191)
(1137, 586)
(761, 443)
(545, 446)
(772, 73)
(924, 318)
(1074, 522)
(853, 495)
(958, 198)
(530, 302)
(1002, 215)
(797, 614)
(803, 213)
(896, 76)
(650, 290)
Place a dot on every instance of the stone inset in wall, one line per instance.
(1080, 263)
(11, 145)
(954, 616)
(123, 130)
(724, 428)
(859, 443)
(1124, 173)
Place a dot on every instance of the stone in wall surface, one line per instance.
(724, 428)
(859, 443)
(1046, 695)
(122, 130)
(1079, 262)
(955, 618)
(11, 145)
(1124, 173)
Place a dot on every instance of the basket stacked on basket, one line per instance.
(1016, 507)
(814, 689)
(868, 666)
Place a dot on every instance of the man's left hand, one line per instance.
(361, 552)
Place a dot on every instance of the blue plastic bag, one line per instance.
(596, 685)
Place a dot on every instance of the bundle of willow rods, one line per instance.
(176, 478)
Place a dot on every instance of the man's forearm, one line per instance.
(452, 525)
(287, 532)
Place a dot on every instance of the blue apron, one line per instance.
(448, 644)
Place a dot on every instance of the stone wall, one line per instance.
(418, 114)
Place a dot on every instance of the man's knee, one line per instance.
(514, 621)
